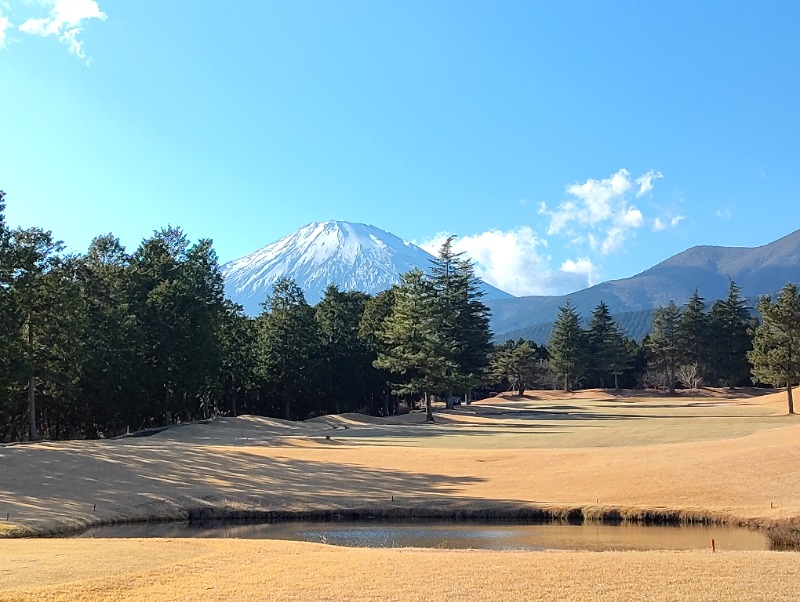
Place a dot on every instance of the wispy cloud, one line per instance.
(724, 214)
(517, 261)
(594, 201)
(666, 222)
(604, 208)
(645, 182)
(5, 25)
(64, 22)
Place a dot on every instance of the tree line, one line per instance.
(726, 345)
(96, 344)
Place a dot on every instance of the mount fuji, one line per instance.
(351, 256)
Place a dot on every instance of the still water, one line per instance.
(460, 535)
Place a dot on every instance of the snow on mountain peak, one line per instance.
(349, 255)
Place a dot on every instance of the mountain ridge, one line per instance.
(363, 257)
(759, 270)
(353, 256)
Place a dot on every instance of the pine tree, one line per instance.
(664, 343)
(36, 254)
(376, 310)
(63, 350)
(730, 324)
(11, 324)
(693, 333)
(462, 317)
(607, 350)
(204, 311)
(110, 373)
(519, 362)
(346, 356)
(289, 345)
(629, 361)
(568, 346)
(156, 294)
(414, 349)
(239, 357)
(177, 297)
(775, 356)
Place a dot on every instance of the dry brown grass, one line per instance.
(733, 458)
(165, 570)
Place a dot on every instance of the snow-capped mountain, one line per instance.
(351, 256)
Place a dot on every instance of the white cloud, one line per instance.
(64, 22)
(595, 219)
(603, 208)
(582, 267)
(645, 182)
(5, 24)
(629, 217)
(515, 261)
(668, 222)
(596, 200)
(724, 213)
(615, 237)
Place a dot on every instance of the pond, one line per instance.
(485, 535)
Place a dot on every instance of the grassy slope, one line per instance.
(732, 457)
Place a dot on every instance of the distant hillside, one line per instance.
(758, 271)
(635, 324)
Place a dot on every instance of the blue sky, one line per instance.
(564, 142)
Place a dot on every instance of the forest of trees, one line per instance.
(95, 345)
(109, 341)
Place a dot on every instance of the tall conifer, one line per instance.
(776, 347)
(568, 346)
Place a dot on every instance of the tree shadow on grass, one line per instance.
(97, 482)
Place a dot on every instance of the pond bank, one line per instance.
(782, 533)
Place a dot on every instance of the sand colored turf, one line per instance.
(714, 455)
(165, 570)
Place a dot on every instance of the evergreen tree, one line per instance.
(664, 343)
(289, 346)
(176, 294)
(462, 317)
(61, 354)
(238, 336)
(568, 346)
(346, 356)
(414, 349)
(776, 347)
(693, 332)
(519, 362)
(11, 324)
(376, 310)
(607, 350)
(629, 364)
(36, 255)
(730, 325)
(111, 371)
(204, 314)
(156, 294)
